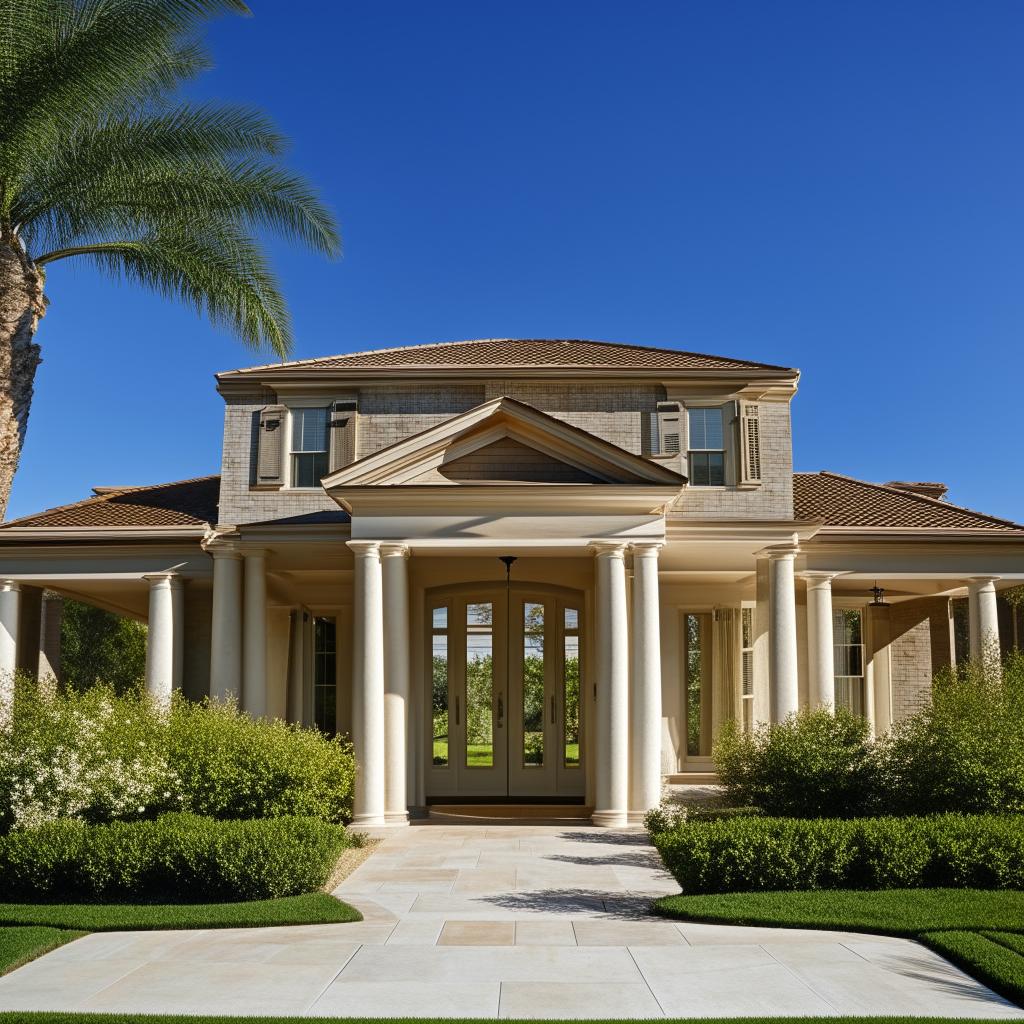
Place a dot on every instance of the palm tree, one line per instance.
(99, 161)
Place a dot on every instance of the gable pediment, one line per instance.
(502, 442)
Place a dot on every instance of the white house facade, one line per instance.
(522, 571)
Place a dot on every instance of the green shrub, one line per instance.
(815, 763)
(965, 751)
(182, 857)
(764, 854)
(231, 766)
(99, 757)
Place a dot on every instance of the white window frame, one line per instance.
(746, 709)
(292, 405)
(864, 711)
(723, 408)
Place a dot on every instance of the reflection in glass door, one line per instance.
(505, 693)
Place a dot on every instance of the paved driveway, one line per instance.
(514, 921)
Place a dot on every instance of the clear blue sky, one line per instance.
(836, 186)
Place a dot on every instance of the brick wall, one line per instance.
(619, 413)
(920, 647)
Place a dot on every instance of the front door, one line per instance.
(504, 681)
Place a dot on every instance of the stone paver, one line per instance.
(514, 922)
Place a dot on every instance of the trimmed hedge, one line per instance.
(768, 854)
(183, 857)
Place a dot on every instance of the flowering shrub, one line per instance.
(98, 757)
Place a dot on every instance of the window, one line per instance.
(706, 440)
(747, 670)
(440, 700)
(309, 446)
(697, 632)
(848, 640)
(325, 665)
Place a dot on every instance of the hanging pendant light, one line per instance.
(878, 600)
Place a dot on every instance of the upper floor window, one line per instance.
(309, 446)
(706, 447)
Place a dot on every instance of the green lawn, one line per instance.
(28, 930)
(978, 929)
(481, 755)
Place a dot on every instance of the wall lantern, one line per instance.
(878, 600)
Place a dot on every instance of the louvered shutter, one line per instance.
(343, 433)
(270, 457)
(670, 438)
(750, 444)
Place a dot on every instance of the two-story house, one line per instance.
(521, 570)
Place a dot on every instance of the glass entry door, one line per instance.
(505, 693)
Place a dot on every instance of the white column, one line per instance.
(984, 621)
(645, 708)
(820, 641)
(368, 683)
(254, 635)
(10, 600)
(783, 686)
(226, 625)
(395, 575)
(161, 636)
(612, 753)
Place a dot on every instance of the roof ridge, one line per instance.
(914, 496)
(313, 360)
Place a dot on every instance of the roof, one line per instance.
(846, 502)
(521, 353)
(181, 503)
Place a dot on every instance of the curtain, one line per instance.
(726, 673)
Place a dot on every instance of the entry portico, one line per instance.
(525, 572)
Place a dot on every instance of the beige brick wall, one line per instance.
(920, 647)
(619, 413)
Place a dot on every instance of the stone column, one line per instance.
(368, 683)
(395, 577)
(645, 707)
(165, 624)
(820, 641)
(783, 686)
(612, 749)
(984, 621)
(50, 619)
(226, 624)
(254, 635)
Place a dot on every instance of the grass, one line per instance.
(28, 930)
(481, 755)
(19, 945)
(978, 929)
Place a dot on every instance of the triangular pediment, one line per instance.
(502, 442)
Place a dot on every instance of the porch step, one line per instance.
(499, 813)
(694, 779)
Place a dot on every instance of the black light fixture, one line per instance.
(879, 597)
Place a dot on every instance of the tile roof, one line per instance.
(181, 503)
(525, 353)
(844, 501)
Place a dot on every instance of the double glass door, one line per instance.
(505, 689)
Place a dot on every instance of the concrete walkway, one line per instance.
(514, 921)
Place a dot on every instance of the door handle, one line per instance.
(552, 709)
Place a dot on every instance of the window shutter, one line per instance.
(670, 441)
(750, 444)
(343, 433)
(270, 455)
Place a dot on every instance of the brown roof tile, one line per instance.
(525, 353)
(844, 501)
(181, 503)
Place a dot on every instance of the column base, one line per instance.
(609, 819)
(368, 821)
(396, 817)
(636, 817)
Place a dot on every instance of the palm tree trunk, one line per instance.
(21, 306)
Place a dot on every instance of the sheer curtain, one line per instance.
(725, 667)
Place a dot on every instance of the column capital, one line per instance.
(816, 579)
(224, 549)
(779, 552)
(9, 586)
(365, 548)
(172, 580)
(981, 581)
(646, 548)
(607, 548)
(393, 550)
